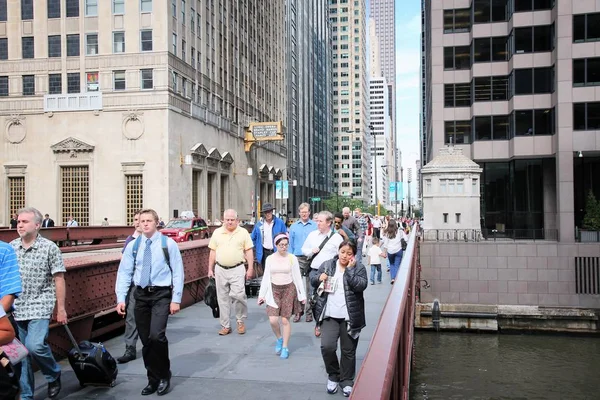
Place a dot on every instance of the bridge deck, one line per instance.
(206, 366)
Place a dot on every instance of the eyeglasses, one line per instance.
(283, 244)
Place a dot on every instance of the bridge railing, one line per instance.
(385, 370)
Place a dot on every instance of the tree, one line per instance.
(591, 220)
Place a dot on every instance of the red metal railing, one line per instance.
(385, 370)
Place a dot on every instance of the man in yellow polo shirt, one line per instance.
(229, 247)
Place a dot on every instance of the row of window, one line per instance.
(73, 45)
(55, 82)
(71, 8)
(501, 48)
(500, 88)
(501, 127)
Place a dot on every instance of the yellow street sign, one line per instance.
(263, 132)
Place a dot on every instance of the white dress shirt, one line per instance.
(330, 250)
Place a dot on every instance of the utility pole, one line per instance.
(409, 181)
(374, 134)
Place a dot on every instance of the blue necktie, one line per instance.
(146, 265)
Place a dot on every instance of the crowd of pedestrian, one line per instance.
(315, 269)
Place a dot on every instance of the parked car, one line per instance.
(184, 229)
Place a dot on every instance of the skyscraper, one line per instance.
(350, 98)
(309, 112)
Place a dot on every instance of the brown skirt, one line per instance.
(285, 297)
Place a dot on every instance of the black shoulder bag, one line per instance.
(309, 259)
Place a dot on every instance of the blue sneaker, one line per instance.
(278, 346)
(285, 353)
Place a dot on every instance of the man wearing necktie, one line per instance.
(159, 287)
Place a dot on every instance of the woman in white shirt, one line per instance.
(282, 288)
(394, 242)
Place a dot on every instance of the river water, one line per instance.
(504, 366)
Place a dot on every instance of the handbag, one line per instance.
(310, 258)
(15, 351)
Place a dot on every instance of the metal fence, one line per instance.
(482, 235)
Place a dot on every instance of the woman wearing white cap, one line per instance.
(281, 286)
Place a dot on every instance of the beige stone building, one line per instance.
(112, 105)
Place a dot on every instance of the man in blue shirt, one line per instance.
(298, 233)
(159, 287)
(264, 232)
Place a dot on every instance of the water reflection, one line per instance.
(471, 366)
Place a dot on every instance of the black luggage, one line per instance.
(92, 363)
(253, 286)
(210, 297)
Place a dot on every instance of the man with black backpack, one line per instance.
(153, 262)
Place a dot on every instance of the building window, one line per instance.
(457, 95)
(91, 44)
(146, 5)
(491, 88)
(118, 7)
(457, 218)
(27, 47)
(26, 9)
(490, 49)
(73, 45)
(474, 186)
(443, 183)
(183, 12)
(193, 57)
(485, 11)
(192, 21)
(174, 44)
(55, 83)
(174, 79)
(184, 87)
(533, 5)
(458, 20)
(118, 42)
(533, 80)
(75, 194)
(92, 82)
(53, 8)
(91, 8)
(3, 86)
(3, 11)
(445, 218)
(134, 196)
(427, 185)
(586, 116)
(534, 122)
(28, 85)
(534, 39)
(72, 8)
(146, 40)
(586, 27)
(73, 82)
(586, 71)
(183, 54)
(174, 8)
(54, 46)
(491, 127)
(459, 186)
(147, 79)
(16, 194)
(119, 80)
(457, 132)
(3, 49)
(457, 57)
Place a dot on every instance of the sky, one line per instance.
(408, 65)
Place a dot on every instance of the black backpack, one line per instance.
(9, 384)
(403, 244)
(210, 297)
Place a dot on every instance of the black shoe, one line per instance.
(54, 388)
(151, 388)
(163, 386)
(129, 355)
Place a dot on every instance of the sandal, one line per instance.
(317, 331)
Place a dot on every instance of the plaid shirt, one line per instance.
(362, 222)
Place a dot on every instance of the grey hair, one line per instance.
(328, 216)
(37, 215)
(230, 210)
(346, 209)
(304, 205)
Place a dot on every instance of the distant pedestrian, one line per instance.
(105, 221)
(393, 244)
(340, 312)
(375, 255)
(71, 222)
(42, 273)
(159, 281)
(229, 247)
(47, 222)
(13, 221)
(131, 333)
(376, 227)
(281, 288)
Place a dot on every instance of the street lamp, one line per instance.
(374, 134)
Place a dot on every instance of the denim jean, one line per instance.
(375, 267)
(34, 335)
(395, 259)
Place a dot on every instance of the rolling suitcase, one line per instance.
(92, 363)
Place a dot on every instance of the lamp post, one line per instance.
(374, 134)
(409, 181)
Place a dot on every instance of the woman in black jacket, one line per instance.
(340, 314)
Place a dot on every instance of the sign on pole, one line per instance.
(393, 191)
(262, 132)
(399, 191)
(282, 190)
(315, 199)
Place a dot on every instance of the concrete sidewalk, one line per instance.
(208, 366)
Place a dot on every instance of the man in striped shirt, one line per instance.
(10, 283)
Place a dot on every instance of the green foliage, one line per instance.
(335, 203)
(591, 220)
